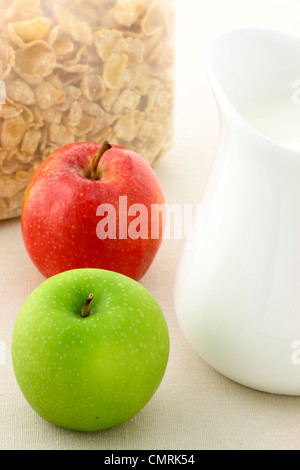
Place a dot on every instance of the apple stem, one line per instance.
(85, 311)
(94, 172)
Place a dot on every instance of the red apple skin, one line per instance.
(59, 218)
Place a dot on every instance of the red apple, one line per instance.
(80, 211)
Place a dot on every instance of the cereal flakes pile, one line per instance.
(81, 70)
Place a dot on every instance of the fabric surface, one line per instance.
(195, 407)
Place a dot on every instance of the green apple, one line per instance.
(89, 349)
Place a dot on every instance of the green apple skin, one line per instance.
(93, 373)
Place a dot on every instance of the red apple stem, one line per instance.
(94, 172)
(85, 311)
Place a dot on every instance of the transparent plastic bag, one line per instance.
(81, 70)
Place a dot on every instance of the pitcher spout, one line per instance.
(255, 77)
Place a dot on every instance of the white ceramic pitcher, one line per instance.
(237, 291)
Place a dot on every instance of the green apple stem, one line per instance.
(94, 172)
(85, 311)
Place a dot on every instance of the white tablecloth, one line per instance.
(195, 407)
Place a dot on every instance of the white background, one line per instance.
(195, 407)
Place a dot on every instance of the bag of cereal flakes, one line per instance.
(81, 70)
